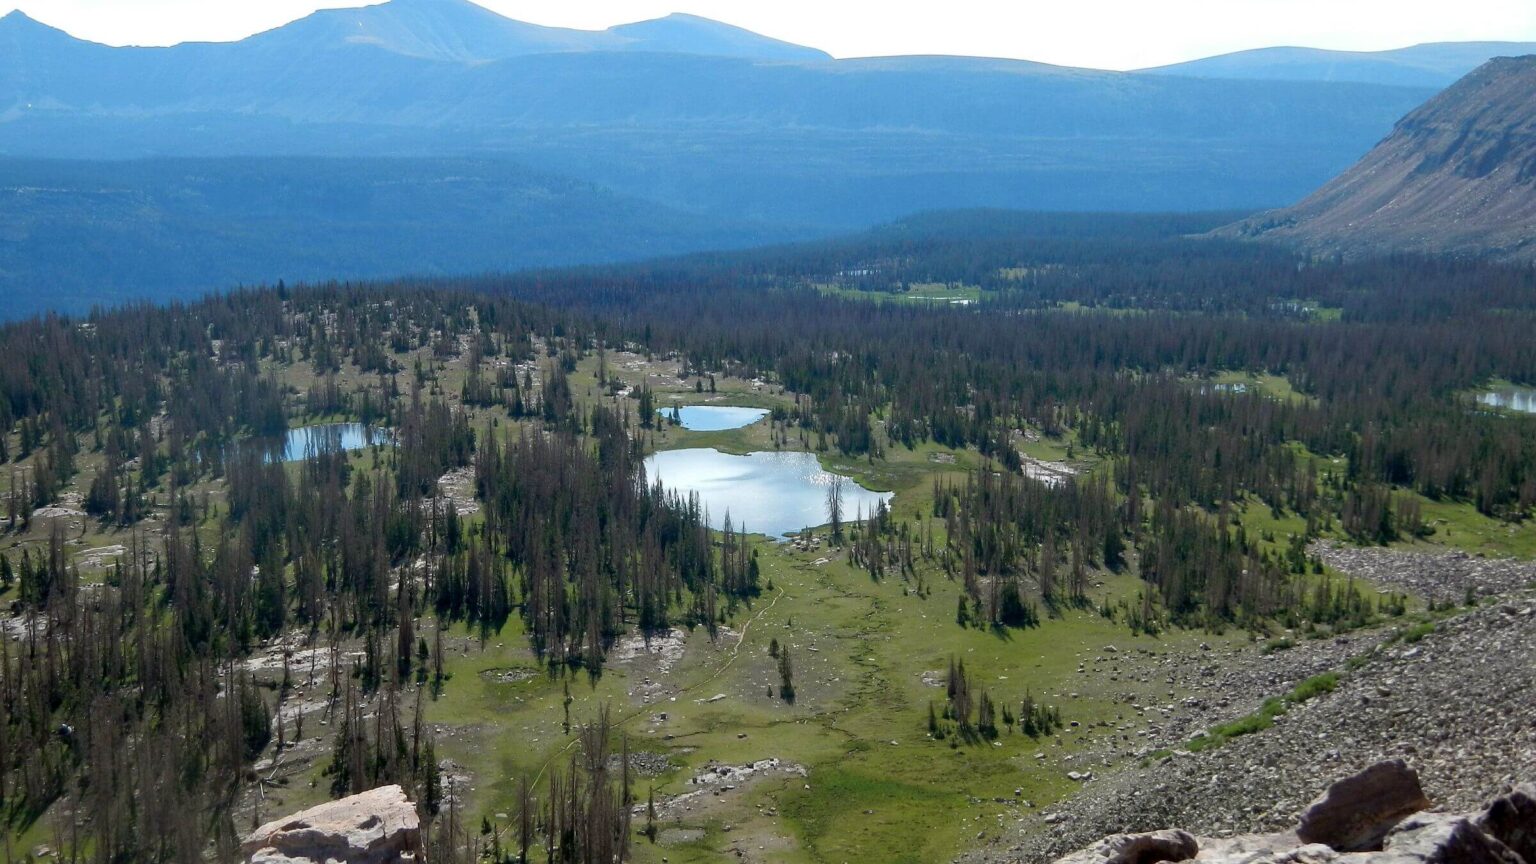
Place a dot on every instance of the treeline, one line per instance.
(1385, 394)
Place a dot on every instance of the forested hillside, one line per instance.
(1096, 431)
(75, 234)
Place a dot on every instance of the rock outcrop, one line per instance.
(376, 827)
(1370, 818)
(1457, 176)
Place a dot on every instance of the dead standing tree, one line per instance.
(835, 508)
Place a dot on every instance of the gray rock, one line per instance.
(1356, 813)
(1436, 838)
(1458, 709)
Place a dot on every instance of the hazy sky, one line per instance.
(1112, 34)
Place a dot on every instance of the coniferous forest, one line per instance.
(1094, 427)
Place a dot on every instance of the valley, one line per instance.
(428, 436)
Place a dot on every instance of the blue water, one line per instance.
(766, 492)
(715, 418)
(300, 443)
(1522, 399)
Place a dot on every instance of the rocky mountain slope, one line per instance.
(1453, 703)
(1457, 176)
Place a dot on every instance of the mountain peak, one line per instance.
(19, 20)
(456, 31)
(18, 26)
(461, 31)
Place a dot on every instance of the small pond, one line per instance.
(305, 440)
(1522, 399)
(715, 418)
(766, 492)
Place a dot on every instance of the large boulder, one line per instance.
(1356, 813)
(376, 827)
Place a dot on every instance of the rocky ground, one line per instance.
(1458, 704)
(1444, 576)
(1203, 688)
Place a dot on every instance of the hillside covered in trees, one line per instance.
(1094, 428)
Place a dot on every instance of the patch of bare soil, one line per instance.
(718, 780)
(1049, 473)
(101, 556)
(649, 659)
(458, 486)
(508, 675)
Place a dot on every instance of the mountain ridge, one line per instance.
(460, 31)
(1428, 64)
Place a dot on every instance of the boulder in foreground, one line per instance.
(376, 827)
(1356, 813)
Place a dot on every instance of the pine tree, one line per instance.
(786, 676)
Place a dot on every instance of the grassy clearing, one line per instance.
(1273, 386)
(877, 785)
(1458, 525)
(924, 293)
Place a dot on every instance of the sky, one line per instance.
(1106, 34)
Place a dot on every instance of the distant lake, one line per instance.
(766, 492)
(301, 442)
(716, 418)
(1522, 399)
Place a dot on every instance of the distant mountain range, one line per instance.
(1433, 65)
(1457, 176)
(693, 114)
